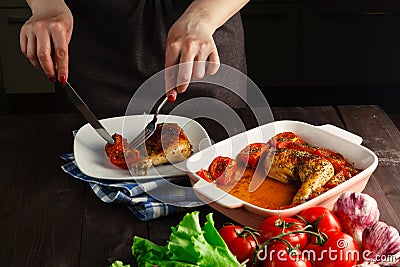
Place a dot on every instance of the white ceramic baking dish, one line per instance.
(328, 136)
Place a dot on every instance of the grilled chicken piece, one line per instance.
(294, 165)
(168, 144)
(142, 166)
(314, 173)
(284, 166)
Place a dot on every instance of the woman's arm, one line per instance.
(190, 42)
(44, 38)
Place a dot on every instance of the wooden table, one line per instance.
(51, 219)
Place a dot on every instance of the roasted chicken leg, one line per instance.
(168, 144)
(295, 165)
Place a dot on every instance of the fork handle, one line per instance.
(161, 105)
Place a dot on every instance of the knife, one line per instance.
(87, 113)
(261, 170)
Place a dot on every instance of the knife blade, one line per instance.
(78, 102)
(263, 167)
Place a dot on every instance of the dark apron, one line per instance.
(117, 45)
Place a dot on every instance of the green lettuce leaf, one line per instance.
(189, 245)
(119, 264)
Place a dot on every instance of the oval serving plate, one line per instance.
(92, 160)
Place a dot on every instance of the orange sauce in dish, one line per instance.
(271, 194)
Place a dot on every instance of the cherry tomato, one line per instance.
(280, 255)
(205, 175)
(285, 136)
(222, 169)
(242, 242)
(340, 249)
(281, 140)
(322, 219)
(276, 225)
(349, 171)
(250, 155)
(336, 159)
(301, 147)
(116, 151)
(292, 141)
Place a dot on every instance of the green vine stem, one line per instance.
(321, 239)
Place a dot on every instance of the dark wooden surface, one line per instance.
(51, 219)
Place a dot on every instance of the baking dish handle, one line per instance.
(341, 133)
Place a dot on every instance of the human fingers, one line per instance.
(60, 53)
(171, 95)
(171, 69)
(213, 63)
(199, 69)
(31, 50)
(23, 42)
(184, 73)
(44, 54)
(205, 48)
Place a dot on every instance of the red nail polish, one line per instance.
(52, 79)
(171, 98)
(63, 79)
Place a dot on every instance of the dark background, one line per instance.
(305, 53)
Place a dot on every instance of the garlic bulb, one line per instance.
(356, 211)
(381, 243)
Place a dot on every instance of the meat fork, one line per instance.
(148, 130)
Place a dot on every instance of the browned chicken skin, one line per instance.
(168, 144)
(294, 165)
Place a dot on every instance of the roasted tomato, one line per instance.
(336, 159)
(275, 225)
(242, 242)
(250, 155)
(222, 169)
(116, 152)
(350, 171)
(205, 174)
(282, 139)
(292, 141)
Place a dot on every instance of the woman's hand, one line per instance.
(44, 38)
(189, 43)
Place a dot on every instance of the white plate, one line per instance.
(92, 160)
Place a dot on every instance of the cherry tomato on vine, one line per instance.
(250, 155)
(280, 255)
(340, 249)
(242, 242)
(322, 219)
(275, 225)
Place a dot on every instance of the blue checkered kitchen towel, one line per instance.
(147, 200)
